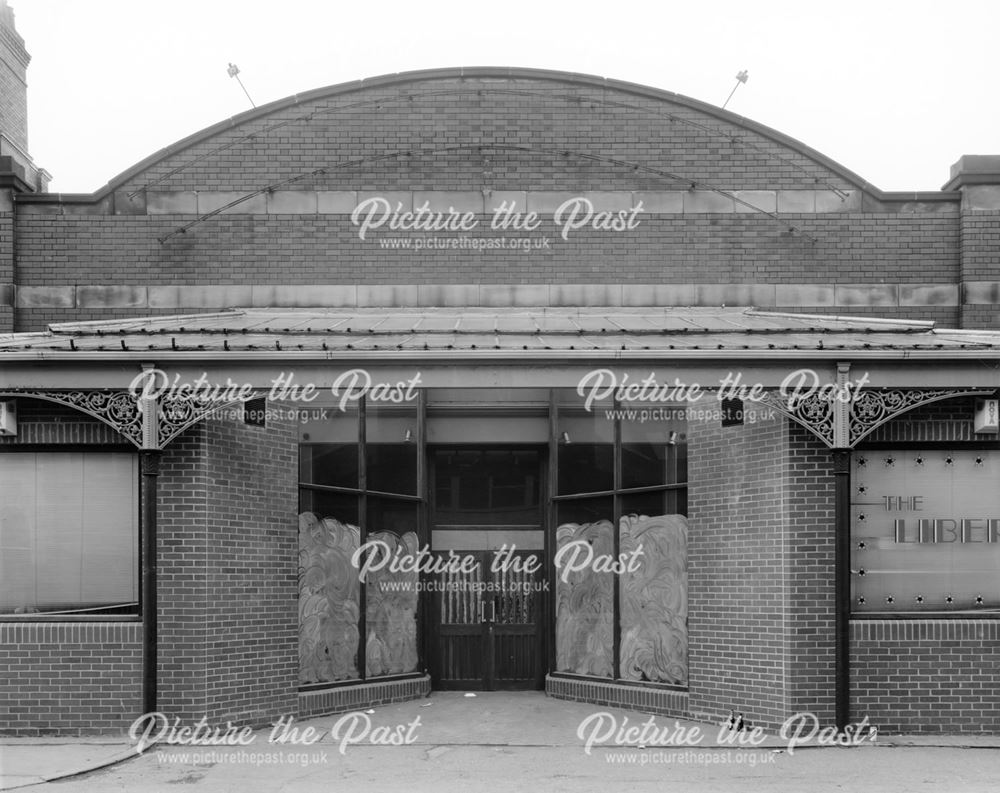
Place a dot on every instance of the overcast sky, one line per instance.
(895, 91)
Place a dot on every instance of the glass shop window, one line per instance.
(654, 452)
(622, 494)
(358, 501)
(487, 487)
(585, 614)
(391, 448)
(586, 453)
(328, 449)
(69, 533)
(925, 531)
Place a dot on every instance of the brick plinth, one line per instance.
(926, 675)
(70, 678)
(362, 696)
(662, 701)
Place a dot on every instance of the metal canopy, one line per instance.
(538, 333)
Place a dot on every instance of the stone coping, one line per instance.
(760, 295)
(485, 202)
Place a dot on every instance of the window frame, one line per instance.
(617, 493)
(362, 493)
(78, 448)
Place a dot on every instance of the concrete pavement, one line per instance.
(434, 742)
(31, 761)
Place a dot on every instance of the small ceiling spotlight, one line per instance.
(564, 438)
(671, 438)
(407, 436)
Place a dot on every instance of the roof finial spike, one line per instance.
(741, 78)
(234, 71)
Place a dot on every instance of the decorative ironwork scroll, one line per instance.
(176, 415)
(815, 414)
(120, 410)
(873, 408)
(866, 411)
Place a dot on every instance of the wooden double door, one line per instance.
(488, 625)
(486, 618)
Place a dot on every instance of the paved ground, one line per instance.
(501, 742)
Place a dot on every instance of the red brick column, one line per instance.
(228, 540)
(760, 574)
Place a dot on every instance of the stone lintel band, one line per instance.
(204, 296)
(486, 202)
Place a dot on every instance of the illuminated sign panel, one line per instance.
(925, 529)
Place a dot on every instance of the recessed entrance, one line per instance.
(486, 618)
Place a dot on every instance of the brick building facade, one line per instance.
(243, 252)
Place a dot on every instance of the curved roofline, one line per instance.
(569, 78)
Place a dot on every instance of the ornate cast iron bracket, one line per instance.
(176, 415)
(842, 424)
(151, 425)
(148, 424)
(873, 408)
(813, 413)
(118, 409)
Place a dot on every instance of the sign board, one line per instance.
(925, 529)
(987, 419)
(8, 418)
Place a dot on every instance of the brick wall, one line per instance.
(427, 120)
(980, 317)
(182, 572)
(479, 135)
(325, 249)
(760, 573)
(253, 619)
(13, 92)
(70, 677)
(67, 677)
(736, 592)
(228, 593)
(6, 264)
(980, 239)
(809, 569)
(926, 675)
(980, 246)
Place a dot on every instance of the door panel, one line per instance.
(459, 629)
(516, 624)
(487, 624)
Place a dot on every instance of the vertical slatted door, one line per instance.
(514, 608)
(460, 631)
